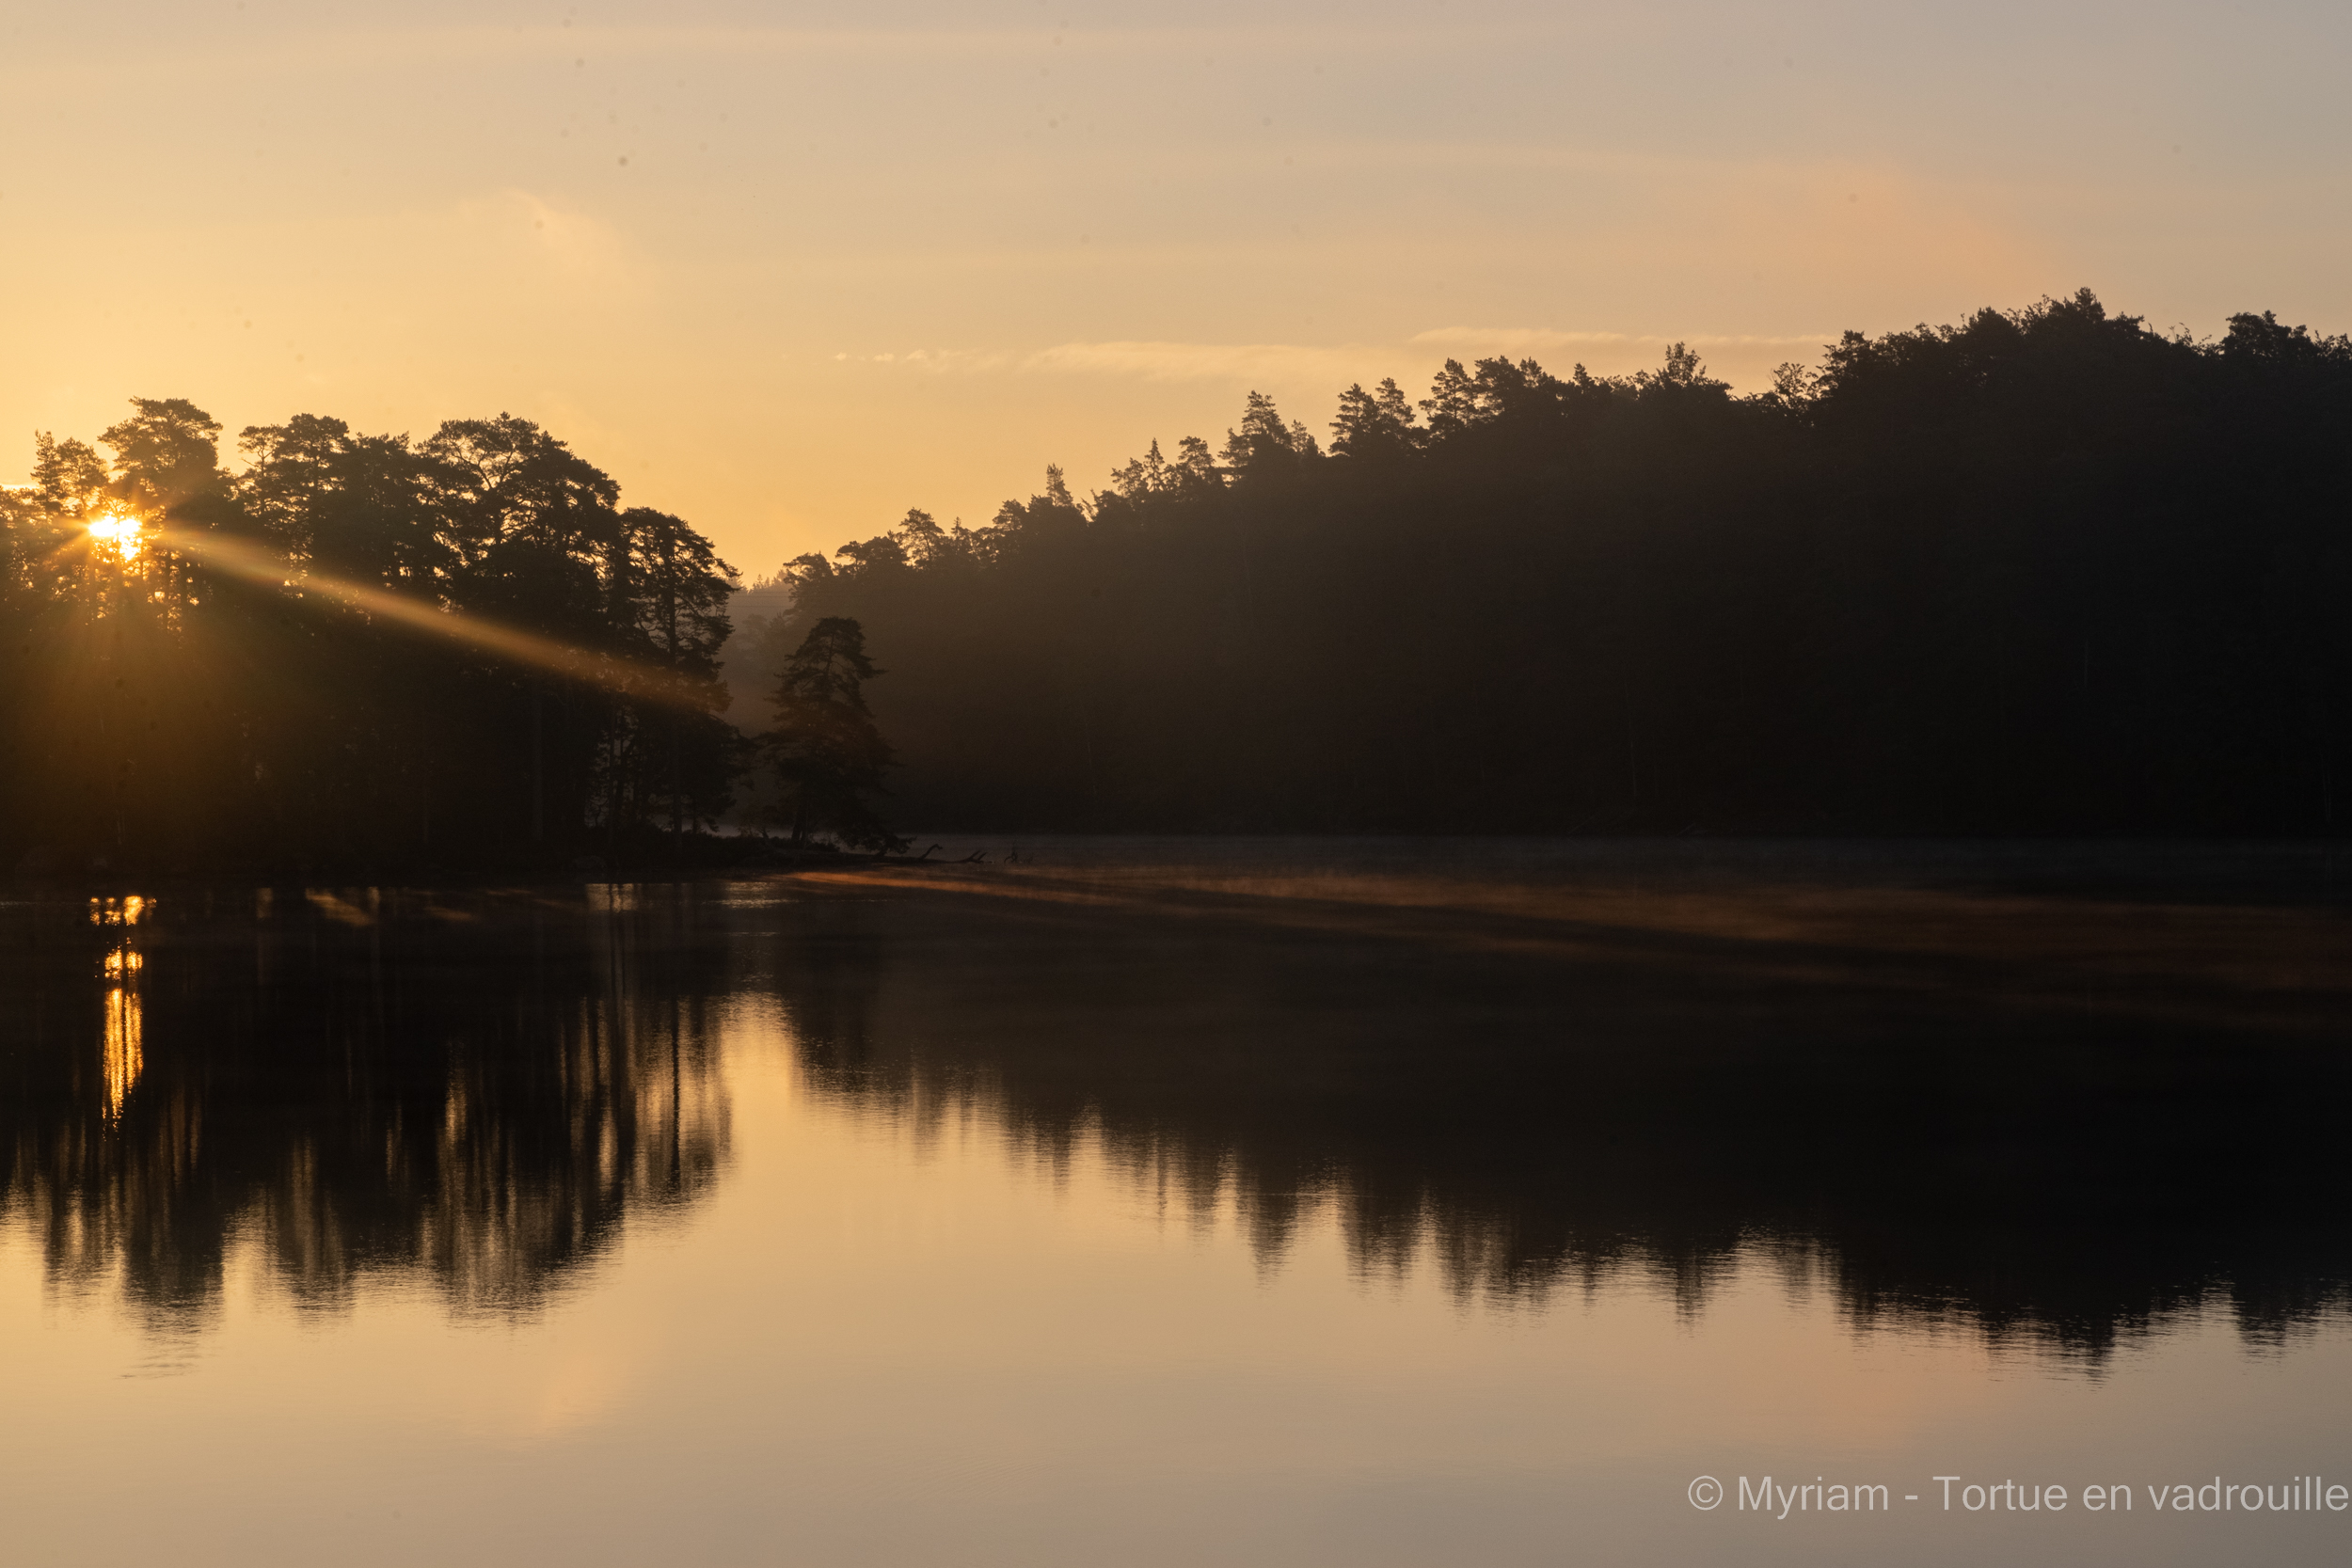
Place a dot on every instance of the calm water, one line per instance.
(1139, 1204)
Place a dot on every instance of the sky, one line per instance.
(789, 270)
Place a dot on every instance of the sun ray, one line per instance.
(645, 682)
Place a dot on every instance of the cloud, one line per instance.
(1743, 357)
(1514, 338)
(1744, 360)
(1144, 360)
(1177, 361)
(936, 360)
(512, 250)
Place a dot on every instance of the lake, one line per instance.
(1179, 1202)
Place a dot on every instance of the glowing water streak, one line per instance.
(122, 1051)
(121, 1047)
(646, 682)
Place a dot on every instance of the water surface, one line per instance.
(1252, 1203)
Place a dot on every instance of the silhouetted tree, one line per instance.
(667, 748)
(827, 753)
(216, 684)
(1375, 426)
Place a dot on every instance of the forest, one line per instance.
(359, 651)
(2049, 571)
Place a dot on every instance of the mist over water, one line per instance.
(1249, 1200)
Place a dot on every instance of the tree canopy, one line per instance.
(2044, 571)
(359, 647)
(829, 758)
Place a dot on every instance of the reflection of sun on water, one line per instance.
(118, 534)
(123, 1055)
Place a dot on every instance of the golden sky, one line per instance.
(789, 270)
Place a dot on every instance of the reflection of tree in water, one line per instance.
(1928, 1155)
(479, 1088)
(482, 1088)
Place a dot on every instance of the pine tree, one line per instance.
(826, 753)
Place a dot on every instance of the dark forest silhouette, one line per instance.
(2045, 572)
(359, 650)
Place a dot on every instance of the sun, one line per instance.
(117, 532)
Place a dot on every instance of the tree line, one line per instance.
(2045, 571)
(360, 649)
